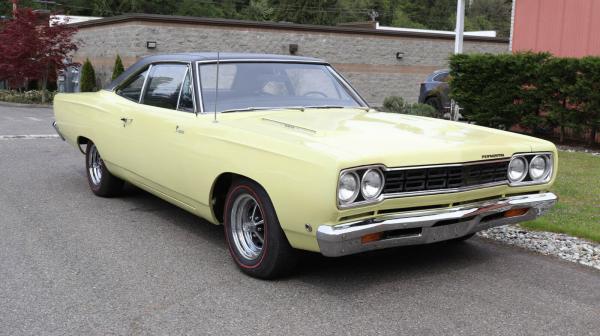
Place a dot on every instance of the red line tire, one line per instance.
(101, 181)
(254, 236)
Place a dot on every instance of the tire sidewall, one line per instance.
(237, 190)
(95, 187)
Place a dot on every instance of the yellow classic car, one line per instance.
(285, 154)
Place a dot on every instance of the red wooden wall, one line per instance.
(562, 27)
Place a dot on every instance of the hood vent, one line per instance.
(291, 126)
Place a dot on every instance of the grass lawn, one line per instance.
(578, 187)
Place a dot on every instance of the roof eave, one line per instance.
(133, 17)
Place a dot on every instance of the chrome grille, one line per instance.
(444, 178)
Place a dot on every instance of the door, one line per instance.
(115, 147)
(158, 144)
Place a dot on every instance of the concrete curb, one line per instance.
(3, 103)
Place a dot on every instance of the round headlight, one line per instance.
(372, 184)
(517, 169)
(538, 167)
(348, 187)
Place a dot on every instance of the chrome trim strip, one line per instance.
(289, 125)
(261, 60)
(143, 92)
(384, 196)
(545, 180)
(444, 191)
(526, 169)
(199, 87)
(443, 165)
(337, 76)
(181, 89)
(344, 239)
(187, 71)
(346, 84)
(58, 131)
(142, 69)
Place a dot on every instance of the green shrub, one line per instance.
(118, 68)
(496, 90)
(422, 110)
(537, 91)
(393, 104)
(87, 79)
(397, 104)
(556, 87)
(26, 97)
(587, 94)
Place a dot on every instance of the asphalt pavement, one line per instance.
(72, 263)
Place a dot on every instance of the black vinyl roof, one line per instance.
(206, 57)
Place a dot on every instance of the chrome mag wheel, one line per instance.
(247, 226)
(95, 165)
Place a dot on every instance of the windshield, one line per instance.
(249, 86)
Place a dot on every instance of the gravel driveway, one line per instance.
(75, 264)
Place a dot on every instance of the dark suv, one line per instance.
(434, 91)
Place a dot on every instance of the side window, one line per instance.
(164, 83)
(133, 89)
(186, 98)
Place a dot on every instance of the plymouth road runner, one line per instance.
(285, 154)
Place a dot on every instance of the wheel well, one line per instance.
(219, 192)
(81, 140)
(431, 97)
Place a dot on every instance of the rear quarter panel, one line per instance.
(90, 115)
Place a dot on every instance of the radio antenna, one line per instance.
(217, 86)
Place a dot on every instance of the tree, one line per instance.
(320, 12)
(87, 77)
(258, 10)
(429, 14)
(34, 49)
(118, 69)
(489, 15)
(197, 8)
(402, 20)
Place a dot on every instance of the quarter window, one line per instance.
(186, 98)
(164, 84)
(133, 89)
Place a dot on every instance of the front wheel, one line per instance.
(101, 181)
(256, 241)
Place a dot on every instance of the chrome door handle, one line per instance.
(179, 130)
(126, 121)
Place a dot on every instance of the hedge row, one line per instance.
(27, 97)
(534, 90)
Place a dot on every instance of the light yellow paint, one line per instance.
(295, 155)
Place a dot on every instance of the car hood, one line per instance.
(366, 137)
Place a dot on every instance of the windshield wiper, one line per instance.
(324, 106)
(247, 109)
(335, 106)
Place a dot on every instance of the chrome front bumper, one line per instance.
(428, 226)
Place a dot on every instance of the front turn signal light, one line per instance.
(371, 237)
(515, 212)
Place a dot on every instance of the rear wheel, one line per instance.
(101, 181)
(255, 239)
